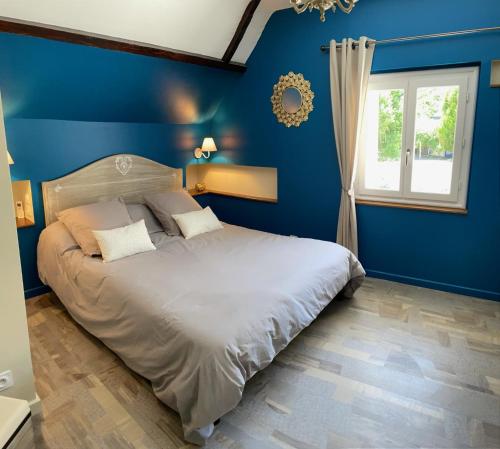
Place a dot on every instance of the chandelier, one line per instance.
(323, 5)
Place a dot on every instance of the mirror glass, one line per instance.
(291, 100)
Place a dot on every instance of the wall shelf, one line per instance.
(495, 73)
(24, 223)
(21, 193)
(238, 181)
(194, 192)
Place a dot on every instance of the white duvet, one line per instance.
(199, 317)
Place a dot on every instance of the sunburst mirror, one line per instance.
(292, 99)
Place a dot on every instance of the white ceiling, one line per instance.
(203, 27)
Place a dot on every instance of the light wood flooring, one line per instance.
(395, 367)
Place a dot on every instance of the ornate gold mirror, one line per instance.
(292, 99)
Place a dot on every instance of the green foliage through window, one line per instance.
(390, 125)
(446, 133)
(435, 143)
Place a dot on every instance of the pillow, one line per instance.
(81, 220)
(197, 222)
(165, 204)
(122, 242)
(140, 212)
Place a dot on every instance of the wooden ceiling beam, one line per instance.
(241, 30)
(74, 37)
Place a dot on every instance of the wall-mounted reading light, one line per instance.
(207, 147)
(9, 158)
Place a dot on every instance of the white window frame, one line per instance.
(467, 79)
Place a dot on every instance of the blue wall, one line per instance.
(46, 79)
(68, 105)
(450, 252)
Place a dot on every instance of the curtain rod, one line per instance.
(421, 37)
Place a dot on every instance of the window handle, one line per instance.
(408, 154)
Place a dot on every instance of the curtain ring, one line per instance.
(367, 44)
(353, 45)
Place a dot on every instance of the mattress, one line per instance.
(200, 317)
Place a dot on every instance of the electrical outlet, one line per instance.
(6, 380)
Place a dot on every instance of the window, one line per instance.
(417, 137)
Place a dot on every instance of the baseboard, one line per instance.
(36, 291)
(35, 405)
(486, 294)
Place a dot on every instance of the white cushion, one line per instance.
(122, 242)
(197, 222)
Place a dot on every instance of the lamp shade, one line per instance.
(9, 158)
(209, 145)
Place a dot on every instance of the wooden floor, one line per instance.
(397, 366)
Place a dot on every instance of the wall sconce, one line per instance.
(9, 158)
(208, 146)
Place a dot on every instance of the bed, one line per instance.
(197, 317)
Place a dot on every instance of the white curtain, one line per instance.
(350, 68)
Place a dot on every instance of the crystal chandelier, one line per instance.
(323, 5)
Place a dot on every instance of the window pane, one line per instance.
(435, 126)
(383, 139)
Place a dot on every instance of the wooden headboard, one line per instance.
(122, 175)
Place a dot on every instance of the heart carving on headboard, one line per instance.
(123, 164)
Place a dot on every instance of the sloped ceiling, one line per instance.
(203, 27)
